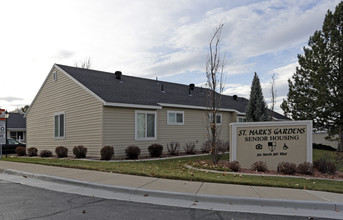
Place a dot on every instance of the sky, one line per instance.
(155, 38)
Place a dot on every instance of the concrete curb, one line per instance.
(192, 198)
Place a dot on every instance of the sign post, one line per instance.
(2, 129)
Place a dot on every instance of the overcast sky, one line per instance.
(167, 39)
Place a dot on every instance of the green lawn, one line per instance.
(174, 169)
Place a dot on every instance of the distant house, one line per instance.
(76, 106)
(16, 126)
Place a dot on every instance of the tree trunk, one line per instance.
(340, 135)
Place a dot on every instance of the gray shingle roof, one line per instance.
(16, 120)
(141, 91)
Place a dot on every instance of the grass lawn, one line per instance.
(174, 169)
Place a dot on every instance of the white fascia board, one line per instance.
(126, 105)
(80, 84)
(198, 107)
(40, 89)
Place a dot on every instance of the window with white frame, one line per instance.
(218, 118)
(145, 125)
(175, 117)
(241, 119)
(59, 125)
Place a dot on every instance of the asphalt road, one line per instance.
(25, 202)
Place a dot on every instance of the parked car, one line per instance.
(11, 145)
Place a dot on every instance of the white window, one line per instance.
(145, 125)
(59, 125)
(241, 119)
(175, 117)
(218, 118)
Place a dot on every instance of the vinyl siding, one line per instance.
(119, 129)
(83, 116)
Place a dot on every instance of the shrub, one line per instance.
(46, 153)
(32, 151)
(20, 151)
(324, 165)
(234, 166)
(206, 147)
(223, 146)
(173, 148)
(132, 152)
(155, 150)
(259, 166)
(107, 153)
(61, 151)
(189, 148)
(80, 151)
(305, 168)
(287, 168)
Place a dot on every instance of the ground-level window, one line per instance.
(218, 118)
(241, 119)
(175, 117)
(60, 125)
(145, 125)
(17, 135)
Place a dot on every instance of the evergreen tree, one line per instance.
(316, 88)
(257, 107)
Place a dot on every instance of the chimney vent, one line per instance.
(234, 97)
(118, 75)
(191, 86)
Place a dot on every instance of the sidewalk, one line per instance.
(188, 193)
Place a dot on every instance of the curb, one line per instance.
(193, 198)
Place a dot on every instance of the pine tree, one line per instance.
(257, 107)
(316, 88)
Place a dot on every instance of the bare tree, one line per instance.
(85, 64)
(273, 93)
(214, 72)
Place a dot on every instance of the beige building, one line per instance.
(76, 106)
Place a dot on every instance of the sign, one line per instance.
(271, 142)
(2, 132)
(2, 114)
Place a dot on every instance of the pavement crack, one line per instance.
(71, 207)
(256, 191)
(148, 183)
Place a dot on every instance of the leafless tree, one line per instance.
(214, 72)
(273, 93)
(85, 64)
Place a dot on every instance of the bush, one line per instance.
(287, 168)
(234, 166)
(259, 166)
(189, 148)
(132, 152)
(223, 146)
(61, 151)
(107, 153)
(32, 151)
(323, 147)
(173, 148)
(155, 150)
(80, 151)
(305, 168)
(324, 165)
(206, 147)
(46, 153)
(20, 151)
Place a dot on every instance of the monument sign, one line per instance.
(271, 142)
